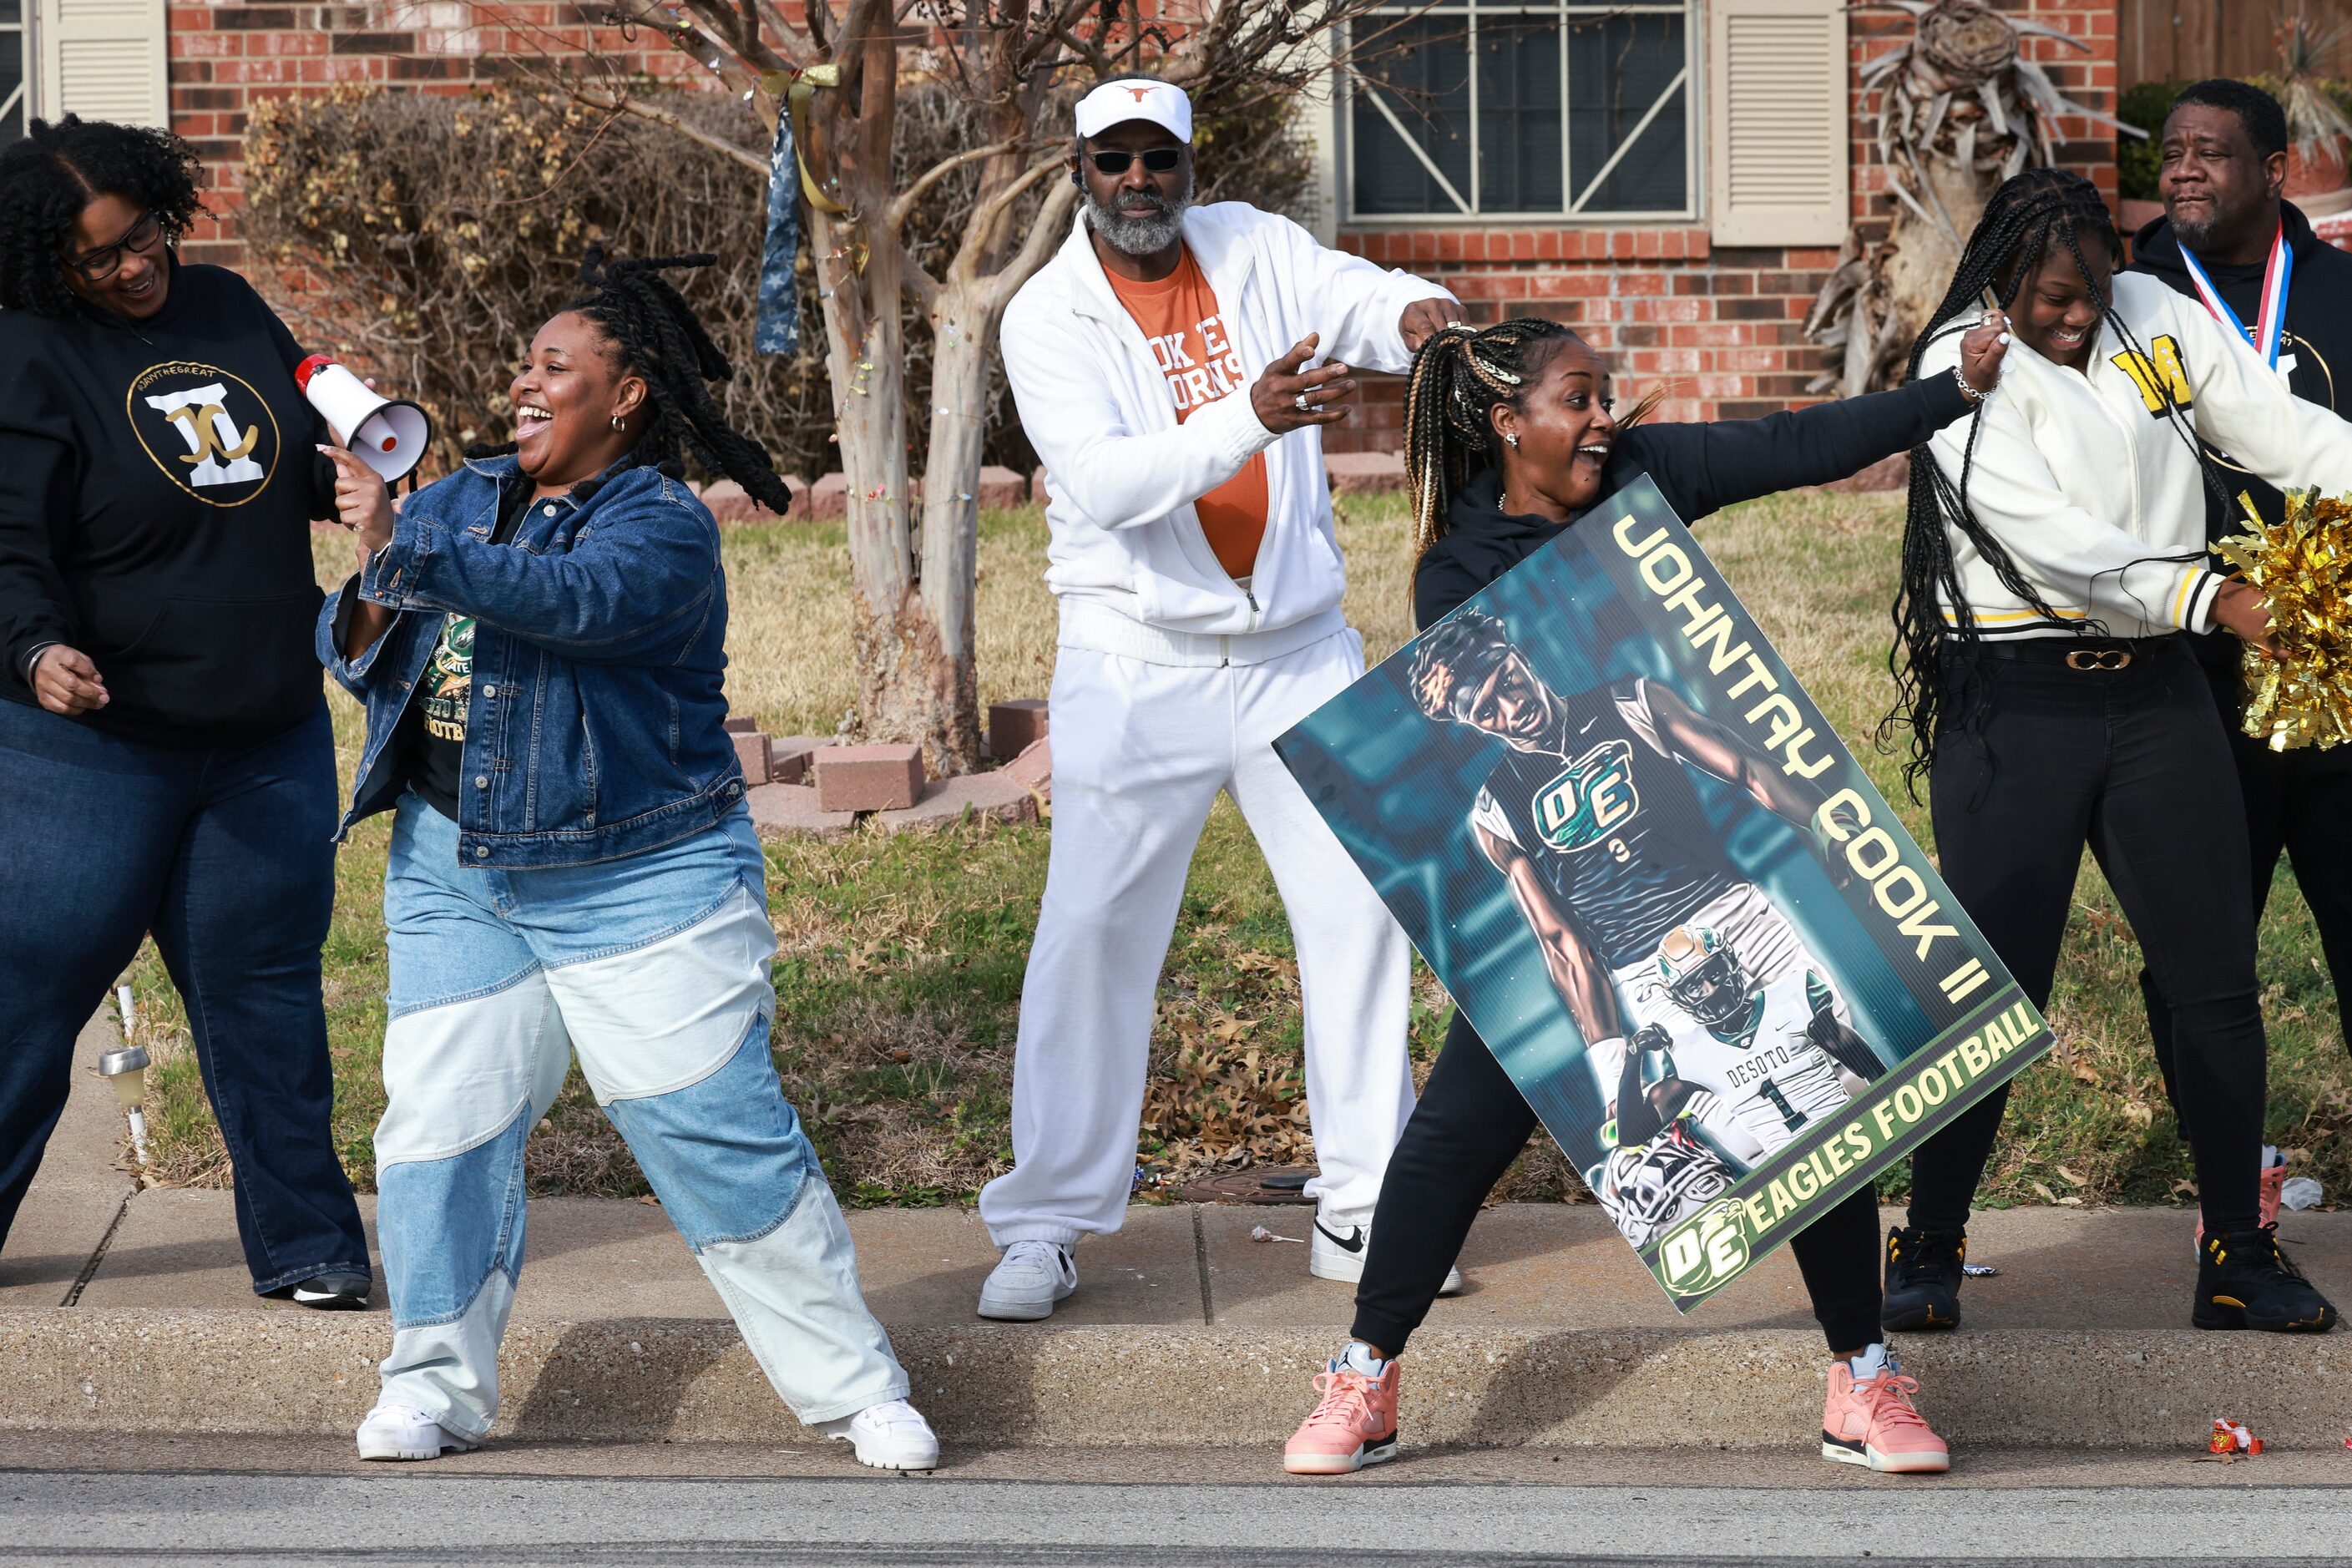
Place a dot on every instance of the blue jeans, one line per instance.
(653, 969)
(226, 854)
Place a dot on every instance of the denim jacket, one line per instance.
(596, 725)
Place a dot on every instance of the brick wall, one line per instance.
(1721, 324)
(225, 57)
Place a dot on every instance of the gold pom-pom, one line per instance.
(2303, 566)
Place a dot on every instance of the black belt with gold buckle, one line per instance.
(2099, 658)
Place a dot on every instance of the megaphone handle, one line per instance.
(322, 487)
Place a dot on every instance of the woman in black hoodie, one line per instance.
(162, 731)
(1510, 439)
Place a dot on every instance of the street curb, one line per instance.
(692, 1380)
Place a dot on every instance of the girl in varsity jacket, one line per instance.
(2055, 551)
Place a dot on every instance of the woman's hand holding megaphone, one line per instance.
(362, 501)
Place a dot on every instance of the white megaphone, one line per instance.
(388, 435)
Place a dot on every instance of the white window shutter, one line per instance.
(1778, 121)
(105, 59)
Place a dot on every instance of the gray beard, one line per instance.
(1133, 235)
(2197, 237)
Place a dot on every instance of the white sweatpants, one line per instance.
(1140, 751)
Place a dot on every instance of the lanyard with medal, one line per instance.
(2270, 326)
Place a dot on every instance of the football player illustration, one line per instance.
(1752, 1062)
(1591, 818)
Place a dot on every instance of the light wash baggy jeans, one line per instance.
(655, 969)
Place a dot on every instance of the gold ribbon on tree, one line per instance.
(796, 89)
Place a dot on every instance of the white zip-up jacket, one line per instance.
(2092, 490)
(1126, 558)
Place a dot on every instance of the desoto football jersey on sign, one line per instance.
(1770, 1078)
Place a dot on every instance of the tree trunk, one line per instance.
(1920, 258)
(907, 685)
(950, 537)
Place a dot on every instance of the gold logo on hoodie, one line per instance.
(2158, 374)
(209, 431)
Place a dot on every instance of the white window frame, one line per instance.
(1576, 213)
(23, 36)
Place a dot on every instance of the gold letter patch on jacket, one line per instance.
(2162, 382)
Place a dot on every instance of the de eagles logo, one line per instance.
(208, 430)
(1705, 1250)
(1585, 803)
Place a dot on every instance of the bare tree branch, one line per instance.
(917, 282)
(1049, 231)
(991, 213)
(921, 184)
(621, 103)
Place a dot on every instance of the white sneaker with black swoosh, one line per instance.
(1336, 1252)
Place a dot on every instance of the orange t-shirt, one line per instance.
(1180, 316)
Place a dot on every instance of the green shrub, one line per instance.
(2137, 161)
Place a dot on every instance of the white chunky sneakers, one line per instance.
(892, 1436)
(396, 1432)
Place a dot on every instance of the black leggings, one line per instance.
(1471, 1123)
(2298, 803)
(2040, 759)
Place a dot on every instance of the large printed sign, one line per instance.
(1682, 917)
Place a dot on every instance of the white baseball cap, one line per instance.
(1116, 102)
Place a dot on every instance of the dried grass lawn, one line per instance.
(900, 970)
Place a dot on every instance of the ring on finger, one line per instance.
(1305, 406)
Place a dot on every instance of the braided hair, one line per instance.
(58, 168)
(1458, 376)
(657, 335)
(2030, 216)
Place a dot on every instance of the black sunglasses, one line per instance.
(105, 261)
(1159, 160)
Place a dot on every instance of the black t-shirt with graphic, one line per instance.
(156, 491)
(432, 735)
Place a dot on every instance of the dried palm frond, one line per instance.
(1960, 110)
(2313, 117)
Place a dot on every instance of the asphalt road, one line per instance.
(65, 1516)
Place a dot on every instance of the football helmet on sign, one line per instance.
(1704, 975)
(1647, 1189)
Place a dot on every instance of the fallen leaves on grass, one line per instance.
(1217, 1102)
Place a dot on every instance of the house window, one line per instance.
(1487, 108)
(15, 70)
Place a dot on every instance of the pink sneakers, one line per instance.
(1353, 1424)
(1871, 1421)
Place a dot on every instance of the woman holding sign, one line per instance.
(1511, 438)
(2055, 554)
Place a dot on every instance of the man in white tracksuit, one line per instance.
(1161, 363)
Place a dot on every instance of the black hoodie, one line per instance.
(2317, 336)
(157, 480)
(1700, 468)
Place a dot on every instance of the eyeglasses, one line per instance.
(105, 261)
(1159, 160)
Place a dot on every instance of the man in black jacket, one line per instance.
(2228, 238)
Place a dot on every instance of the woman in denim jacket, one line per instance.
(538, 639)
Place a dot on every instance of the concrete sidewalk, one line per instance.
(1185, 1331)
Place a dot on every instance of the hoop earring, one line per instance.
(619, 423)
(1511, 439)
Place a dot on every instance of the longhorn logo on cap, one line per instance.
(1140, 92)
